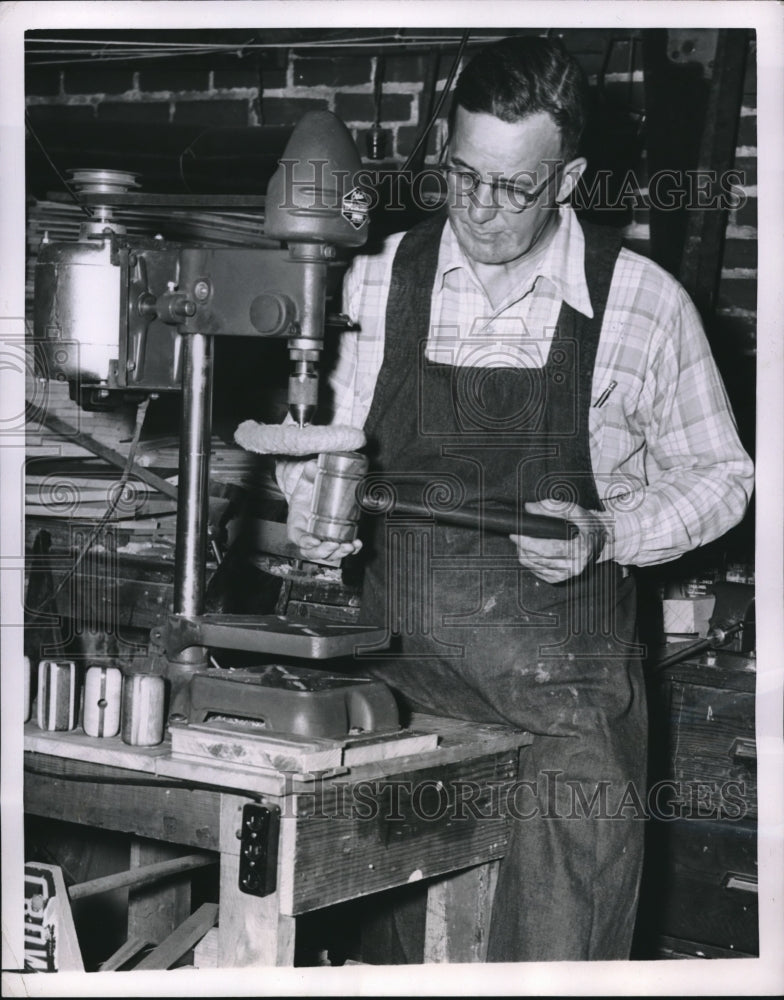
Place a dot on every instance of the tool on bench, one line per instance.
(732, 628)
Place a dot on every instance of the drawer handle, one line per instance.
(744, 750)
(743, 883)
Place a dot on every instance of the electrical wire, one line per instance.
(29, 126)
(378, 83)
(167, 50)
(447, 86)
(106, 779)
(113, 503)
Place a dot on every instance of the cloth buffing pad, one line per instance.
(288, 439)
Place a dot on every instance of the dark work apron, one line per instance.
(473, 635)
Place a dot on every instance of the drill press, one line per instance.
(134, 317)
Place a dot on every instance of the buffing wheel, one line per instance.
(288, 439)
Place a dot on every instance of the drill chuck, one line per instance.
(303, 391)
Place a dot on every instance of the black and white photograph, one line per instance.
(391, 530)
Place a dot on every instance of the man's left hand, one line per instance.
(555, 560)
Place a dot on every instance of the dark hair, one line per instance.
(521, 75)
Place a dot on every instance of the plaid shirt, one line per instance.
(666, 457)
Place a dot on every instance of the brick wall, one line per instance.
(276, 87)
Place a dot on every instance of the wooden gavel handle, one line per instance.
(497, 520)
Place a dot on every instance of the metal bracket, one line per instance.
(259, 849)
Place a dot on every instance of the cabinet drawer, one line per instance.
(713, 750)
(710, 892)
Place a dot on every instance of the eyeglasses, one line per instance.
(507, 194)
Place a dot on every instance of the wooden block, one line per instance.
(58, 695)
(142, 710)
(229, 741)
(102, 700)
(182, 939)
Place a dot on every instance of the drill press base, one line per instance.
(293, 700)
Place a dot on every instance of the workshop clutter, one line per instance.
(98, 698)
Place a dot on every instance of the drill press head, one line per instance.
(315, 206)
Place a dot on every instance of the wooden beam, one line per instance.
(181, 940)
(141, 876)
(178, 815)
(252, 931)
(156, 910)
(125, 953)
(458, 915)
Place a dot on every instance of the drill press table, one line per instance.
(438, 815)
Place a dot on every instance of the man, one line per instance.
(509, 355)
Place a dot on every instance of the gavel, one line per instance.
(341, 494)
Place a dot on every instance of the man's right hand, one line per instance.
(311, 547)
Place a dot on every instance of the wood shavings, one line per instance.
(288, 439)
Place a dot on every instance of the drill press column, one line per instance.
(192, 504)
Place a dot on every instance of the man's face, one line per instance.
(527, 151)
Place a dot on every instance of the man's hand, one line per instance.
(312, 548)
(553, 560)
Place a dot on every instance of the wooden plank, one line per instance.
(178, 815)
(74, 751)
(458, 740)
(458, 915)
(77, 745)
(138, 877)
(182, 939)
(355, 837)
(252, 931)
(227, 776)
(125, 953)
(239, 745)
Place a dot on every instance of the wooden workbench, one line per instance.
(438, 816)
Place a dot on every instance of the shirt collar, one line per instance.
(563, 264)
